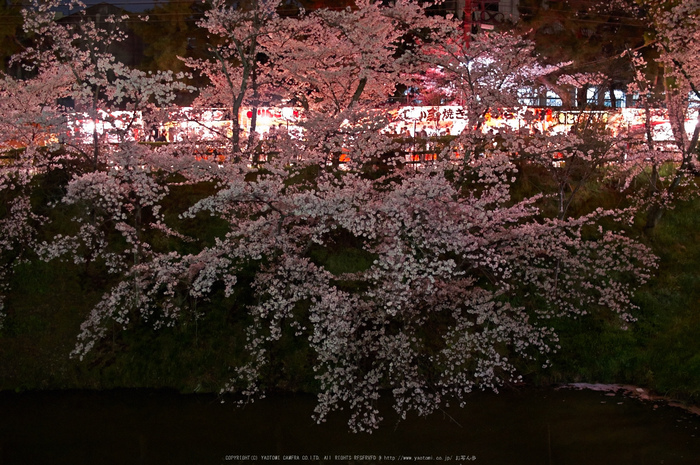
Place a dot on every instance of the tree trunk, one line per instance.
(613, 99)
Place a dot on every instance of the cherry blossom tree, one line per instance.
(123, 199)
(677, 32)
(456, 281)
(30, 117)
(333, 59)
(18, 221)
(70, 61)
(674, 27)
(30, 128)
(118, 184)
(481, 79)
(458, 288)
(100, 83)
(236, 70)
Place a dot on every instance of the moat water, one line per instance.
(543, 427)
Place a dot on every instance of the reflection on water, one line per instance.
(527, 427)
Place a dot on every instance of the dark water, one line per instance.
(543, 427)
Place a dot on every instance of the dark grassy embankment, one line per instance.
(49, 301)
